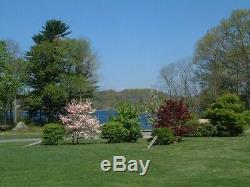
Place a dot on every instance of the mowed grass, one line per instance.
(192, 162)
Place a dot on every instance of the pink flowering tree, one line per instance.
(79, 120)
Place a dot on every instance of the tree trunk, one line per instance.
(77, 138)
(73, 138)
(10, 112)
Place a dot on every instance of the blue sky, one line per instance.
(133, 38)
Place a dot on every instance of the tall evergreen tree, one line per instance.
(59, 69)
(53, 29)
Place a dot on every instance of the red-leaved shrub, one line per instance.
(174, 115)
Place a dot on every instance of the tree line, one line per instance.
(57, 69)
(110, 99)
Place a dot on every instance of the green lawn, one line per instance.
(193, 162)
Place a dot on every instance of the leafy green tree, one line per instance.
(11, 78)
(223, 56)
(79, 59)
(3, 54)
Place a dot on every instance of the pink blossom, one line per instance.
(79, 118)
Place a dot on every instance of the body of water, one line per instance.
(103, 116)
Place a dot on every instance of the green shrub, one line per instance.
(204, 130)
(228, 115)
(165, 136)
(228, 123)
(133, 127)
(128, 115)
(200, 129)
(246, 117)
(193, 122)
(52, 134)
(114, 132)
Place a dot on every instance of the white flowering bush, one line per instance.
(79, 120)
(152, 106)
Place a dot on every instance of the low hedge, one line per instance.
(53, 134)
(165, 136)
(114, 132)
